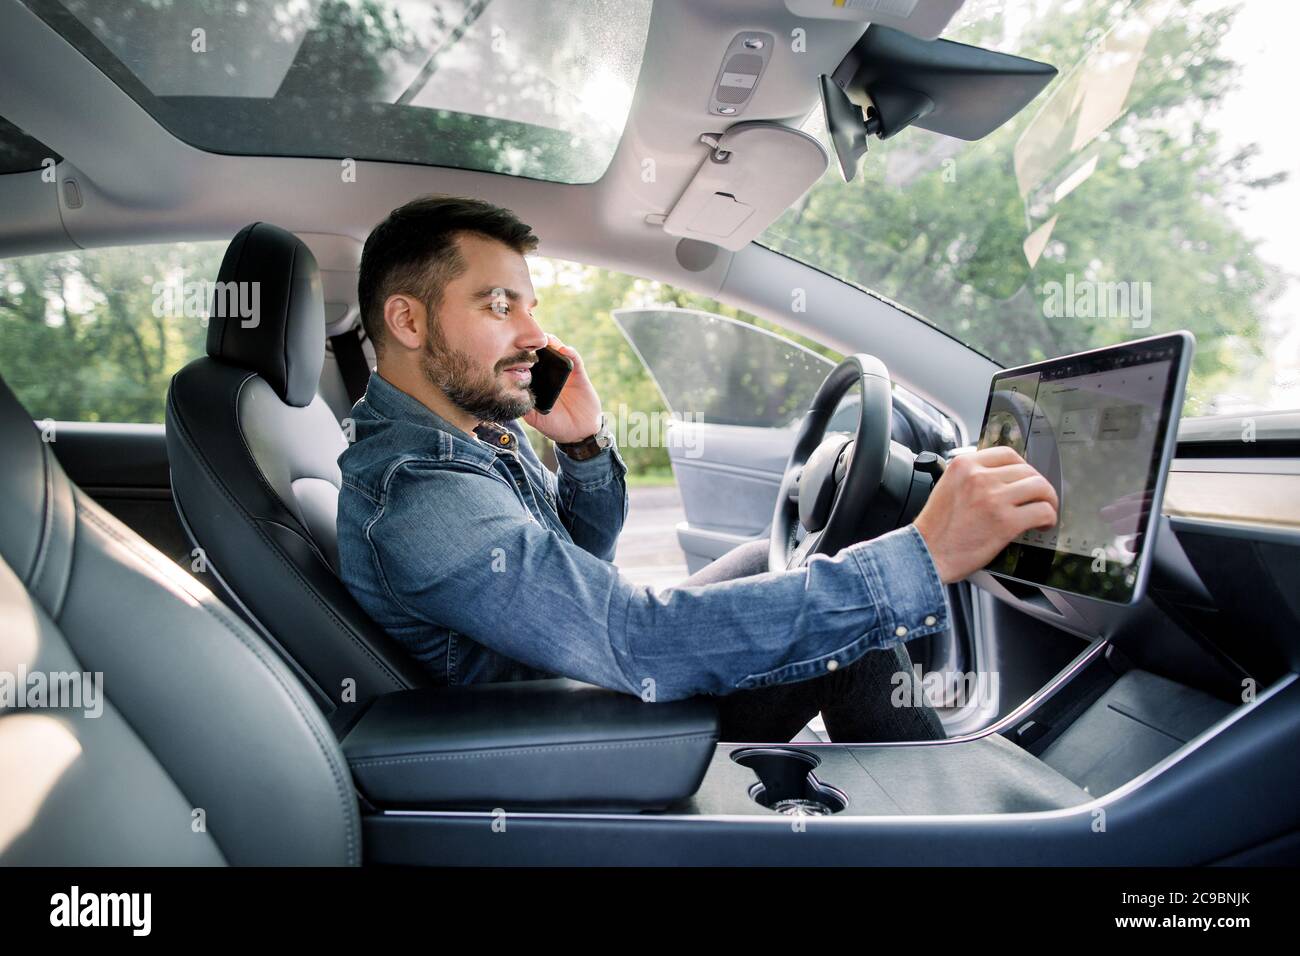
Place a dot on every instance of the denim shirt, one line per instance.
(487, 566)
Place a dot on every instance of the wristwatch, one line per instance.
(590, 446)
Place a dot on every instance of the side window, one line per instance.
(719, 370)
(95, 335)
(722, 371)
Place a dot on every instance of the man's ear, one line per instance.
(404, 320)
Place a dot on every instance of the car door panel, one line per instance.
(124, 468)
(728, 478)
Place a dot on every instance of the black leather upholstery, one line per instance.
(256, 479)
(284, 341)
(543, 744)
(253, 452)
(205, 749)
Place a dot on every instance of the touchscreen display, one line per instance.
(1097, 426)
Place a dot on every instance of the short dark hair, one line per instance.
(414, 251)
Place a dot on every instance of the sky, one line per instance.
(1263, 111)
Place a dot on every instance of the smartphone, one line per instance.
(549, 375)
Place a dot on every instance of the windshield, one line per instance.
(1150, 188)
(531, 89)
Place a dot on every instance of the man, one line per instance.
(487, 566)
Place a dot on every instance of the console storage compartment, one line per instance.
(545, 744)
(1136, 723)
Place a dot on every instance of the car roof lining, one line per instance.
(139, 183)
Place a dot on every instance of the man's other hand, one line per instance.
(986, 499)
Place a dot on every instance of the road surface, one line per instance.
(648, 552)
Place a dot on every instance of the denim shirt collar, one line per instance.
(389, 401)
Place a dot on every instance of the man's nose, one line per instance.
(531, 336)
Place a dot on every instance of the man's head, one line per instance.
(446, 299)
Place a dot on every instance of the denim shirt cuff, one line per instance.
(901, 574)
(595, 471)
(901, 585)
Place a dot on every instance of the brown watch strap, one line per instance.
(581, 450)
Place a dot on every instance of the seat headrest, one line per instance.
(268, 311)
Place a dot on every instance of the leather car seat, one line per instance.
(253, 451)
(199, 746)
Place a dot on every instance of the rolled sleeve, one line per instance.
(593, 501)
(901, 573)
(893, 595)
(594, 471)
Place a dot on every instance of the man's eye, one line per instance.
(500, 308)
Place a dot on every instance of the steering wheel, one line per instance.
(831, 483)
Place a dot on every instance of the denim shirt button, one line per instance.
(832, 664)
(900, 631)
(930, 620)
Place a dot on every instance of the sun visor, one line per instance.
(754, 172)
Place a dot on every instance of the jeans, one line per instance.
(854, 701)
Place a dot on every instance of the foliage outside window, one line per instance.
(1150, 187)
(96, 335)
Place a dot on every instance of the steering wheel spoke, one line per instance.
(829, 480)
(804, 550)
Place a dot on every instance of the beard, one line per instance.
(468, 386)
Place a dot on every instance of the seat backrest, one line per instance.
(141, 722)
(253, 451)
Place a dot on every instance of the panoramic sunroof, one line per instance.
(540, 90)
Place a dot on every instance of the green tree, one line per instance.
(84, 335)
(938, 225)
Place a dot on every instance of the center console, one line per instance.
(1100, 766)
(985, 775)
(564, 746)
